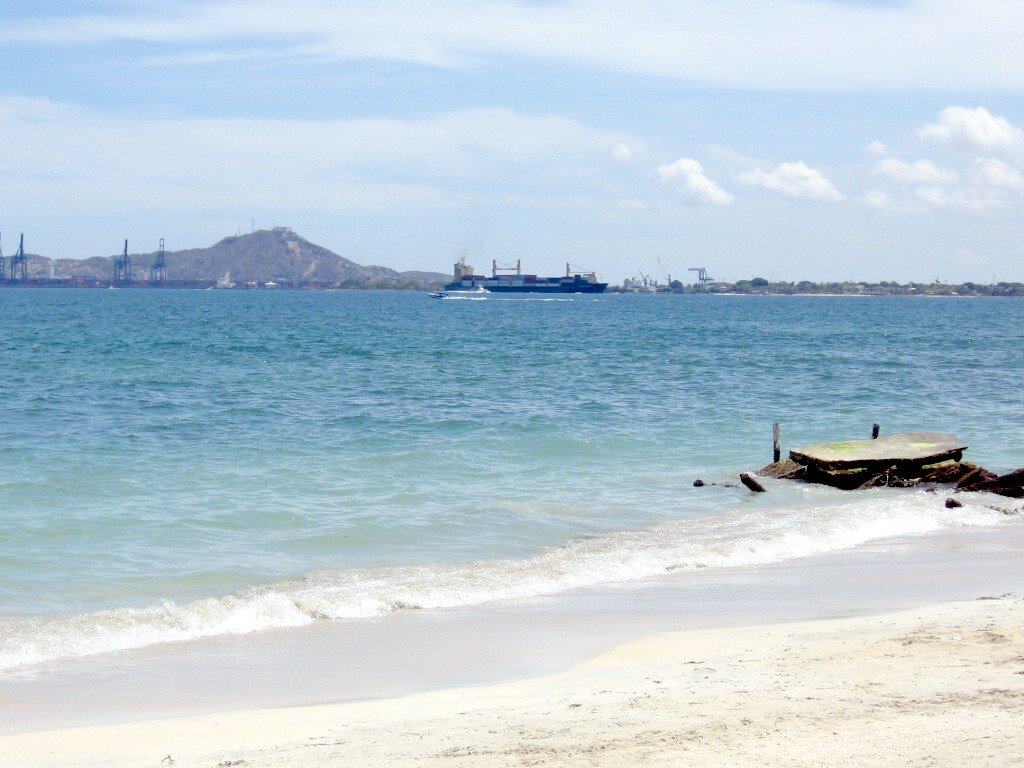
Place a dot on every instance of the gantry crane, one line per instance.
(123, 266)
(702, 275)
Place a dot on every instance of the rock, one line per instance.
(976, 475)
(952, 503)
(698, 483)
(787, 469)
(1010, 484)
(947, 472)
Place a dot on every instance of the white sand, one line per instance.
(941, 686)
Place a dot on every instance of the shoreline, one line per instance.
(943, 684)
(414, 652)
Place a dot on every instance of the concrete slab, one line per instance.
(909, 447)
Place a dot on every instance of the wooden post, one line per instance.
(776, 442)
(875, 429)
(749, 481)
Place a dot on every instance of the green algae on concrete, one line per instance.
(908, 448)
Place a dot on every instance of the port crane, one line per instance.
(702, 275)
(123, 266)
(668, 277)
(19, 262)
(158, 272)
(642, 284)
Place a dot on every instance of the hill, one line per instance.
(278, 255)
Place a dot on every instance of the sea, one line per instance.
(185, 465)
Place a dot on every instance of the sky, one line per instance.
(786, 139)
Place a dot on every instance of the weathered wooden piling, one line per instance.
(875, 429)
(776, 442)
(748, 480)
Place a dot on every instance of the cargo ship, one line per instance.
(510, 279)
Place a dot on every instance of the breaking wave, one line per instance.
(742, 538)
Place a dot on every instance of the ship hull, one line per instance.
(567, 288)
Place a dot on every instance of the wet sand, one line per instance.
(941, 685)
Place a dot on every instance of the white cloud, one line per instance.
(635, 205)
(876, 149)
(990, 149)
(878, 198)
(621, 152)
(792, 180)
(996, 173)
(916, 172)
(885, 201)
(28, 110)
(80, 161)
(805, 44)
(968, 200)
(976, 131)
(687, 177)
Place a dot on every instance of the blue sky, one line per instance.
(785, 138)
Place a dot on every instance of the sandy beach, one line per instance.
(941, 685)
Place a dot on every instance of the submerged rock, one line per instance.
(787, 469)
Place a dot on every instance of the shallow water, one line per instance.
(178, 464)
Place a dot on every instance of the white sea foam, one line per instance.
(743, 538)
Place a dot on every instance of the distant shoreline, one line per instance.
(1013, 290)
(760, 287)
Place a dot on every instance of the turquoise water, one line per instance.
(176, 464)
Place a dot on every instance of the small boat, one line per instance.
(437, 294)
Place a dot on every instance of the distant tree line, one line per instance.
(760, 285)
